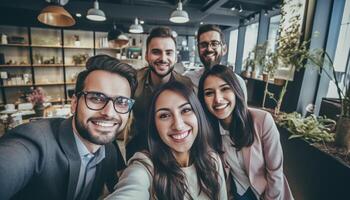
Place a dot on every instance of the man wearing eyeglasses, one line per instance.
(161, 57)
(211, 48)
(72, 158)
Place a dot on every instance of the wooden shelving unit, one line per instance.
(54, 46)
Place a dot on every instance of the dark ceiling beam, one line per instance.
(255, 2)
(221, 20)
(214, 6)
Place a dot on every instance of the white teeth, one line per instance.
(105, 124)
(180, 136)
(221, 106)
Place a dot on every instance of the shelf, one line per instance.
(12, 86)
(45, 46)
(48, 84)
(70, 83)
(74, 47)
(107, 48)
(15, 45)
(56, 101)
(73, 65)
(21, 65)
(47, 65)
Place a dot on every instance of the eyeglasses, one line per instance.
(97, 101)
(214, 44)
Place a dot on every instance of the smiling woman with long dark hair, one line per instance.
(180, 163)
(248, 137)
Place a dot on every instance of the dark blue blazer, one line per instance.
(40, 160)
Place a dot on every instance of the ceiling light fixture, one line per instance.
(95, 14)
(136, 28)
(266, 12)
(240, 8)
(233, 8)
(55, 15)
(116, 38)
(179, 16)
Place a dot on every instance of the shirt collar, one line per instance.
(223, 131)
(84, 153)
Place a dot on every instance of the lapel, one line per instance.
(67, 142)
(246, 159)
(99, 180)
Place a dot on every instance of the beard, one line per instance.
(171, 68)
(101, 138)
(208, 64)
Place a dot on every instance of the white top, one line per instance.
(136, 181)
(196, 74)
(236, 163)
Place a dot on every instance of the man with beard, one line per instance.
(161, 57)
(72, 158)
(211, 48)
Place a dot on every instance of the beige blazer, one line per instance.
(263, 160)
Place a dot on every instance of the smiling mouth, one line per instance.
(104, 124)
(219, 107)
(180, 136)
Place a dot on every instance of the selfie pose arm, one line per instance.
(135, 182)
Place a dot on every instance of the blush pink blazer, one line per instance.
(263, 160)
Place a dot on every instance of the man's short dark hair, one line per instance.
(210, 27)
(162, 32)
(110, 64)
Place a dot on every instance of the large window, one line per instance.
(232, 48)
(273, 33)
(342, 54)
(250, 40)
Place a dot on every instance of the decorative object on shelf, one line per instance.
(80, 58)
(16, 40)
(3, 38)
(76, 41)
(37, 97)
(179, 16)
(95, 13)
(116, 38)
(136, 27)
(55, 15)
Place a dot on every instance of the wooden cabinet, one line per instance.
(52, 58)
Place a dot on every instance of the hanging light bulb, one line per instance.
(95, 14)
(179, 15)
(136, 27)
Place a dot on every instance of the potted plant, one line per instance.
(290, 53)
(37, 97)
(322, 60)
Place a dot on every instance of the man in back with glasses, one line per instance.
(72, 158)
(211, 48)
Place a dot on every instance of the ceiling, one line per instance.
(153, 12)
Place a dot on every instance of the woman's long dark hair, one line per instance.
(241, 127)
(169, 180)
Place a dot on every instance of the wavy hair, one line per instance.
(241, 127)
(169, 180)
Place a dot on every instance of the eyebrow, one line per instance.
(167, 50)
(220, 86)
(167, 109)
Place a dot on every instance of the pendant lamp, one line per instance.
(116, 38)
(136, 28)
(95, 14)
(179, 16)
(55, 15)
